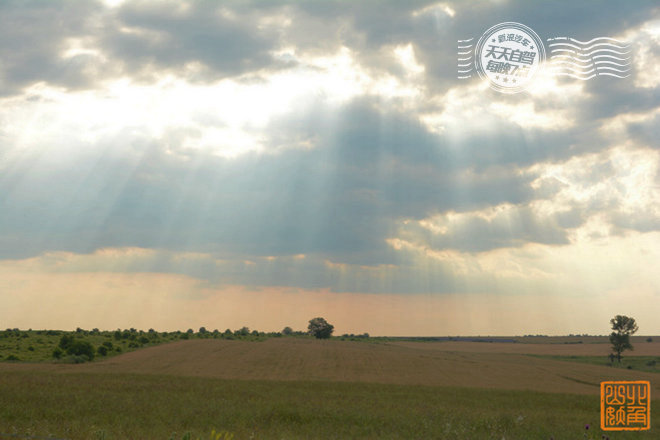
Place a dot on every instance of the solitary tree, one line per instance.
(622, 327)
(320, 328)
(287, 331)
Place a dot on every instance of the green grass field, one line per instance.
(120, 406)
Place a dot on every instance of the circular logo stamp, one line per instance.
(508, 55)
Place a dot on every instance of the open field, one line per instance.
(305, 388)
(549, 348)
(407, 363)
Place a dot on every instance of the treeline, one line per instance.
(83, 345)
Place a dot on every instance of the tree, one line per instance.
(81, 348)
(65, 341)
(287, 331)
(320, 328)
(622, 327)
(244, 331)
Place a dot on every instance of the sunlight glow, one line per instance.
(406, 56)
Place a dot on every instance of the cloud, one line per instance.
(212, 39)
(367, 170)
(503, 226)
(35, 38)
(647, 132)
(224, 141)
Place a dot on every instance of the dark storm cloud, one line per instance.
(33, 35)
(647, 132)
(369, 26)
(513, 228)
(138, 39)
(149, 37)
(230, 38)
(340, 199)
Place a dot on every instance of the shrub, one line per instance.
(57, 353)
(143, 340)
(102, 350)
(649, 339)
(81, 348)
(13, 357)
(65, 341)
(133, 344)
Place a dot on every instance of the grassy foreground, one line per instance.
(120, 406)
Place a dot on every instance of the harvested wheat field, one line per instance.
(465, 364)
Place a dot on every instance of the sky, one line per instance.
(173, 165)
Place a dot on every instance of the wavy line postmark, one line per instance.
(465, 61)
(510, 55)
(584, 60)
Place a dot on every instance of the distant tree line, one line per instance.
(85, 345)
